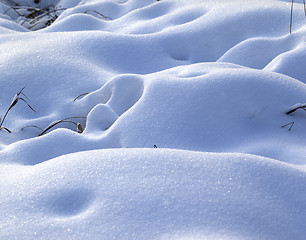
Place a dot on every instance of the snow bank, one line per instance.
(153, 194)
(189, 77)
(203, 107)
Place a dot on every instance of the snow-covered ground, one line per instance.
(182, 104)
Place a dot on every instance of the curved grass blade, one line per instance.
(60, 121)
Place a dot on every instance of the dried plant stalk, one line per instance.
(291, 125)
(79, 127)
(296, 108)
(100, 14)
(13, 103)
(81, 95)
(291, 15)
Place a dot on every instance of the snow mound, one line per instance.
(153, 120)
(153, 194)
(213, 107)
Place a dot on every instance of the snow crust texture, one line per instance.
(154, 194)
(182, 108)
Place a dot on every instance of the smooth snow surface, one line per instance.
(208, 82)
(153, 194)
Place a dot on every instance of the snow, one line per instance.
(154, 194)
(209, 82)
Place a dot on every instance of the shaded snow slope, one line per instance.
(189, 77)
(203, 107)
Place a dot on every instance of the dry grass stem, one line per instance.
(291, 125)
(33, 126)
(100, 14)
(296, 108)
(31, 17)
(13, 103)
(65, 120)
(291, 14)
(81, 95)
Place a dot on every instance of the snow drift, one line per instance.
(206, 82)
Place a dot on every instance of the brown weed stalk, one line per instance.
(65, 120)
(13, 103)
